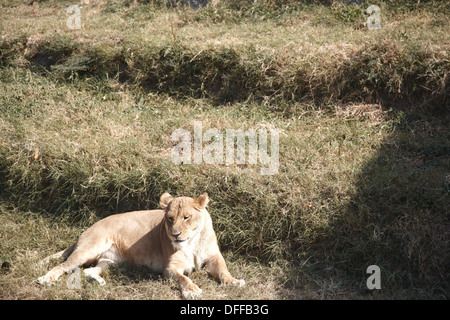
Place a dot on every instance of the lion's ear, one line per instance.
(202, 200)
(165, 200)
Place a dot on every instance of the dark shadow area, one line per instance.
(128, 273)
(398, 219)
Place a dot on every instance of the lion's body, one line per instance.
(174, 241)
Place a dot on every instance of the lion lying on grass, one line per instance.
(173, 241)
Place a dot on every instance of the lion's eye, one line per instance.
(186, 217)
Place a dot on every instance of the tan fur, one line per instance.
(175, 241)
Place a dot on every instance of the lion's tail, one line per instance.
(63, 253)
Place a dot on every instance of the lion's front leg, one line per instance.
(189, 290)
(217, 267)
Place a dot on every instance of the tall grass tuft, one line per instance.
(381, 72)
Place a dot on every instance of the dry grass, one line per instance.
(86, 118)
(297, 56)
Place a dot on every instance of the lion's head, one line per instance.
(183, 217)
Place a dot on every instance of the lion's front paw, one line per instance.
(238, 283)
(191, 291)
(233, 282)
(45, 281)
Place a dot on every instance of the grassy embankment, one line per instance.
(87, 116)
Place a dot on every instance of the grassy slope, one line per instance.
(357, 185)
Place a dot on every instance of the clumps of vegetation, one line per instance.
(385, 73)
(382, 72)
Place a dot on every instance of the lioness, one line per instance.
(173, 241)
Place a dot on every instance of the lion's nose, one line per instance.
(176, 234)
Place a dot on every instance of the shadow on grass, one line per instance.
(127, 273)
(398, 219)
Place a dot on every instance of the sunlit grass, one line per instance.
(86, 119)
